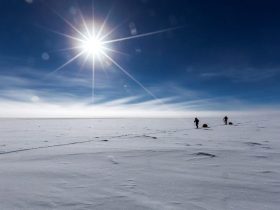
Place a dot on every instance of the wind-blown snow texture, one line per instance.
(139, 164)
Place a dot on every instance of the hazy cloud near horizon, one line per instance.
(24, 101)
(36, 94)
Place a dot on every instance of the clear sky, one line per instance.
(211, 56)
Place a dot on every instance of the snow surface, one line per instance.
(133, 164)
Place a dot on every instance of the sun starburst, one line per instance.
(93, 44)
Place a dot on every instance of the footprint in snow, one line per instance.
(176, 202)
(253, 143)
(112, 159)
(266, 172)
(205, 154)
(153, 137)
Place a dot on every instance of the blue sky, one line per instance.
(224, 56)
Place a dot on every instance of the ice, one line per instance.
(140, 164)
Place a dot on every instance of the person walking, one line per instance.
(226, 120)
(196, 121)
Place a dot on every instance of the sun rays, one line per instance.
(91, 42)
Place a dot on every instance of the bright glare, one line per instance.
(93, 46)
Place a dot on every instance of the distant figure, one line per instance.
(196, 121)
(225, 120)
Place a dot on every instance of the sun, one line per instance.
(92, 46)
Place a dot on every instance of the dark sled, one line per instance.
(205, 126)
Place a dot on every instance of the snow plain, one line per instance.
(133, 164)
